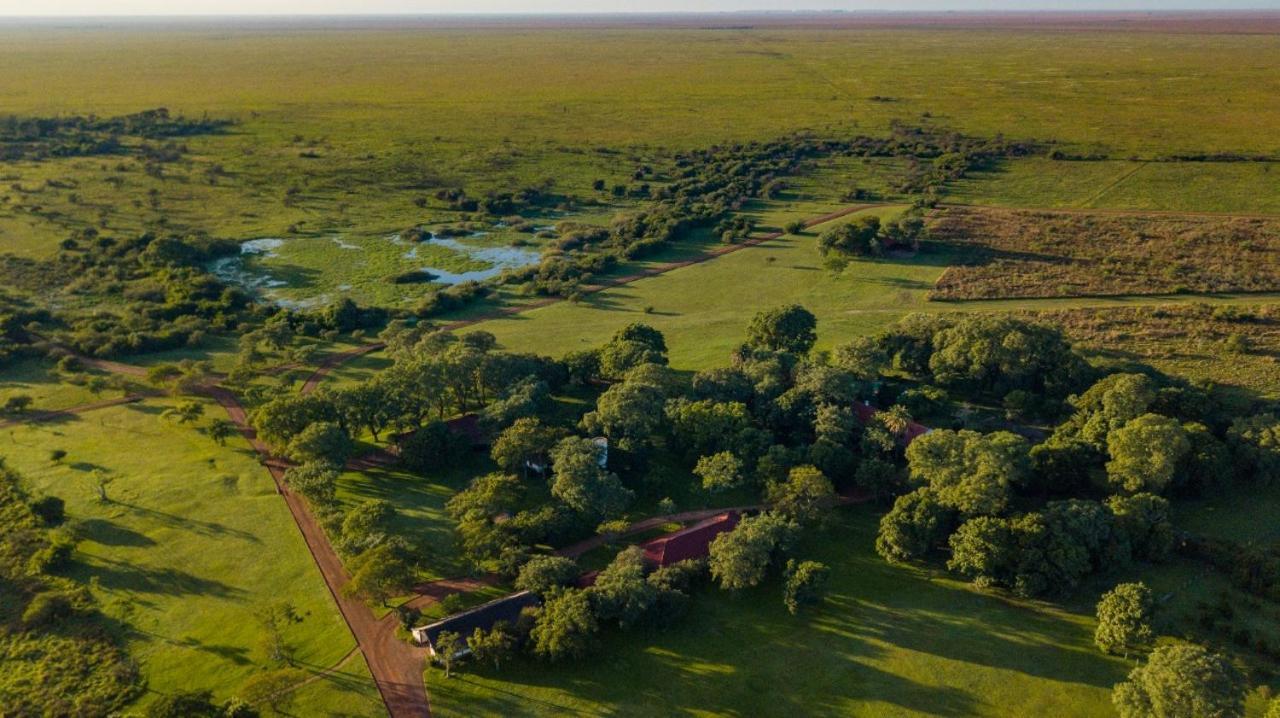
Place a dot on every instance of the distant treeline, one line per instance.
(81, 135)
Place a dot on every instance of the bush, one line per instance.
(47, 607)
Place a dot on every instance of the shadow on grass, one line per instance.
(204, 528)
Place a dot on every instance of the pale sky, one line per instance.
(332, 7)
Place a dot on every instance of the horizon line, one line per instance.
(657, 13)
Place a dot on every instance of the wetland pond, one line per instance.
(303, 272)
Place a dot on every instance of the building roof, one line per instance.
(865, 413)
(507, 608)
(690, 542)
(468, 427)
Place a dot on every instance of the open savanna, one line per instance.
(357, 120)
(1004, 254)
(192, 543)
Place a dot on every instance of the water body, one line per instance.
(233, 269)
(498, 259)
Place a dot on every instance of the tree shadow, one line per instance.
(122, 576)
(204, 528)
(109, 533)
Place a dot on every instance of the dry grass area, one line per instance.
(1231, 345)
(1009, 253)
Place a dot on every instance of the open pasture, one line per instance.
(192, 544)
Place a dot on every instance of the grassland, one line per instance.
(379, 116)
(192, 543)
(1009, 254)
(1233, 345)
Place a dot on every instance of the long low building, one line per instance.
(507, 609)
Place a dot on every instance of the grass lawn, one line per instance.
(193, 541)
(348, 692)
(889, 641)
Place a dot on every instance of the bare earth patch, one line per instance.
(1025, 253)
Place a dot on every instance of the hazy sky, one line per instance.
(288, 7)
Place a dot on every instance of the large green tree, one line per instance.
(565, 627)
(1181, 681)
(969, 472)
(1145, 454)
(581, 483)
(1124, 618)
(791, 328)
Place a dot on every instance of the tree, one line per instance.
(806, 584)
(740, 558)
(186, 412)
(621, 592)
(859, 237)
(632, 346)
(1181, 681)
(719, 472)
(220, 430)
(322, 441)
(580, 482)
(542, 574)
(1255, 441)
(791, 328)
(864, 357)
(526, 440)
(968, 471)
(565, 626)
(495, 645)
(1274, 710)
(448, 645)
(630, 414)
(273, 618)
(17, 404)
(431, 448)
(317, 481)
(1146, 520)
(708, 427)
(1145, 453)
(366, 523)
(1107, 405)
(379, 573)
(1000, 354)
(806, 496)
(917, 524)
(1124, 618)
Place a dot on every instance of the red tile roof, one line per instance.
(865, 413)
(690, 542)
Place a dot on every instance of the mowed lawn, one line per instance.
(193, 541)
(890, 641)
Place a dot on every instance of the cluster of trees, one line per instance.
(868, 236)
(1101, 480)
(53, 628)
(777, 423)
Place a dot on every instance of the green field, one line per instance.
(192, 542)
